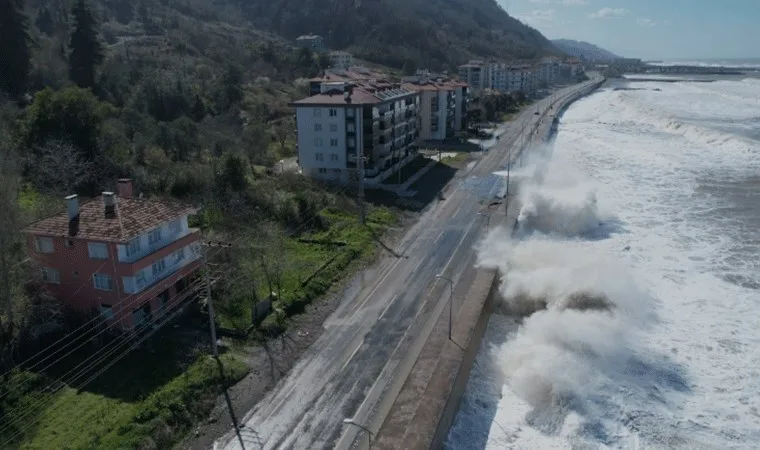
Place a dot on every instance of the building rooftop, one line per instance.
(308, 37)
(131, 218)
(362, 93)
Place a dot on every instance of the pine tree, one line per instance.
(15, 47)
(86, 51)
(45, 21)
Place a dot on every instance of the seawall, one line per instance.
(426, 406)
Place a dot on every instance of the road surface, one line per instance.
(371, 341)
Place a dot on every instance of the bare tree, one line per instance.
(58, 168)
(281, 133)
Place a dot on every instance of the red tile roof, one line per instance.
(132, 218)
(358, 97)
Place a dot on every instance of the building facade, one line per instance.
(354, 127)
(312, 41)
(131, 260)
(341, 60)
(443, 105)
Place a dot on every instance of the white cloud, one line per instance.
(538, 17)
(645, 22)
(609, 12)
(575, 2)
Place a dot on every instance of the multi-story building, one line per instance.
(476, 74)
(355, 126)
(443, 105)
(352, 74)
(312, 41)
(130, 259)
(341, 60)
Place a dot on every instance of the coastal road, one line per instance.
(370, 343)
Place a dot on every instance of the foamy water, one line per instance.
(632, 290)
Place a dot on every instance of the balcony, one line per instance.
(161, 268)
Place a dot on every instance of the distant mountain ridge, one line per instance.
(584, 50)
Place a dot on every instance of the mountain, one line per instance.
(436, 34)
(584, 50)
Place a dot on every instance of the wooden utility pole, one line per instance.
(210, 305)
(362, 212)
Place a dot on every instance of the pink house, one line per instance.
(130, 259)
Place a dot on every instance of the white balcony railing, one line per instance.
(161, 269)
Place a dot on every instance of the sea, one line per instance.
(631, 311)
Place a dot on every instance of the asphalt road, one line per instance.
(371, 342)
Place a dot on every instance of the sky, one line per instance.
(649, 29)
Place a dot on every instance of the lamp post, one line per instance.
(348, 421)
(488, 220)
(451, 299)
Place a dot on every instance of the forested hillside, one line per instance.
(431, 33)
(584, 50)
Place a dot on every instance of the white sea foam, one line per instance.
(642, 337)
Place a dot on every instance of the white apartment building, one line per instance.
(443, 107)
(348, 121)
(341, 60)
(476, 74)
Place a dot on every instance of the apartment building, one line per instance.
(476, 74)
(127, 258)
(341, 60)
(352, 74)
(312, 41)
(500, 76)
(353, 125)
(443, 105)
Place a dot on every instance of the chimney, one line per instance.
(109, 202)
(124, 187)
(72, 204)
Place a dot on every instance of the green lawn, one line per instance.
(456, 160)
(116, 411)
(310, 269)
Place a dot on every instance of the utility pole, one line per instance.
(210, 304)
(362, 214)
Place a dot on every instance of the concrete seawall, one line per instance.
(428, 402)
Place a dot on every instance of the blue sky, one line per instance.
(650, 29)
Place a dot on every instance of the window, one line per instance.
(133, 247)
(317, 112)
(102, 282)
(175, 226)
(51, 276)
(317, 142)
(322, 170)
(334, 127)
(317, 127)
(75, 275)
(140, 280)
(158, 267)
(333, 142)
(97, 250)
(350, 112)
(319, 156)
(106, 311)
(333, 112)
(43, 244)
(333, 156)
(179, 255)
(154, 236)
(69, 243)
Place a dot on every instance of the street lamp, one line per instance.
(488, 220)
(348, 421)
(451, 299)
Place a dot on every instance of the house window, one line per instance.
(175, 226)
(69, 243)
(334, 127)
(319, 156)
(154, 236)
(158, 267)
(97, 250)
(333, 142)
(350, 112)
(133, 247)
(51, 276)
(140, 280)
(317, 112)
(179, 255)
(317, 127)
(333, 112)
(333, 156)
(317, 142)
(322, 170)
(102, 282)
(106, 311)
(43, 244)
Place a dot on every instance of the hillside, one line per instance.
(436, 34)
(584, 50)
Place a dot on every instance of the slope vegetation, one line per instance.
(584, 50)
(427, 33)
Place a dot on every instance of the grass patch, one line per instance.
(456, 160)
(309, 269)
(138, 403)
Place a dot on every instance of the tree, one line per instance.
(45, 21)
(15, 48)
(198, 112)
(9, 190)
(58, 168)
(86, 50)
(410, 68)
(231, 83)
